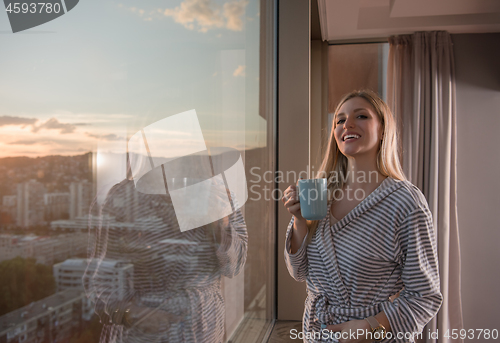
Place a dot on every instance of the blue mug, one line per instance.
(313, 198)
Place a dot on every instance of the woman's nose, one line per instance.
(349, 123)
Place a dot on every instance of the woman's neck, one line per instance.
(363, 173)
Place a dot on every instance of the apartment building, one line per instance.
(115, 277)
(56, 206)
(45, 249)
(80, 198)
(52, 319)
(30, 204)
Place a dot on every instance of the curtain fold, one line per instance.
(421, 92)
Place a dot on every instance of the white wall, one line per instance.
(477, 66)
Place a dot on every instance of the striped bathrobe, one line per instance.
(352, 267)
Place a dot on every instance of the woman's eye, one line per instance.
(362, 116)
(340, 121)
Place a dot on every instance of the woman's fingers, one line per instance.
(289, 197)
(291, 200)
(293, 207)
(393, 297)
(290, 193)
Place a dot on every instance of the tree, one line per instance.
(24, 281)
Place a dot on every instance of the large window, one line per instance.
(107, 110)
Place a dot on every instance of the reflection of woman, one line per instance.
(175, 292)
(377, 239)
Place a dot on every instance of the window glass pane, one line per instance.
(128, 131)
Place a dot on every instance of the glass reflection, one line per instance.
(168, 287)
(72, 94)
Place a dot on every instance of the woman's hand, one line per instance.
(291, 201)
(395, 296)
(292, 204)
(353, 331)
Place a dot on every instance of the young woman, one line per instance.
(371, 264)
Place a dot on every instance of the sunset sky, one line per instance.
(106, 69)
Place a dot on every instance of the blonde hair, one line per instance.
(335, 163)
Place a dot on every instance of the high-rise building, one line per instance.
(9, 209)
(56, 206)
(81, 195)
(30, 204)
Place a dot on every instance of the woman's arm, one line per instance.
(291, 202)
(297, 262)
(298, 234)
(232, 250)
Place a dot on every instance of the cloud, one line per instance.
(32, 142)
(234, 11)
(110, 137)
(205, 14)
(17, 121)
(240, 71)
(54, 124)
(51, 124)
(141, 12)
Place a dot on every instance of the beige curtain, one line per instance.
(421, 92)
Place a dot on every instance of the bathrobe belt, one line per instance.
(328, 313)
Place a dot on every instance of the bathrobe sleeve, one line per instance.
(232, 251)
(421, 298)
(297, 263)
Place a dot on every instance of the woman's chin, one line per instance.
(350, 153)
(358, 153)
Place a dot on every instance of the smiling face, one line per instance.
(358, 129)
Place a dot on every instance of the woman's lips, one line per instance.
(349, 140)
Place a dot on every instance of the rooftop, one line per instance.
(36, 309)
(83, 262)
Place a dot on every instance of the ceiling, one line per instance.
(351, 20)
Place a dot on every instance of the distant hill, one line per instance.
(58, 172)
(55, 172)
